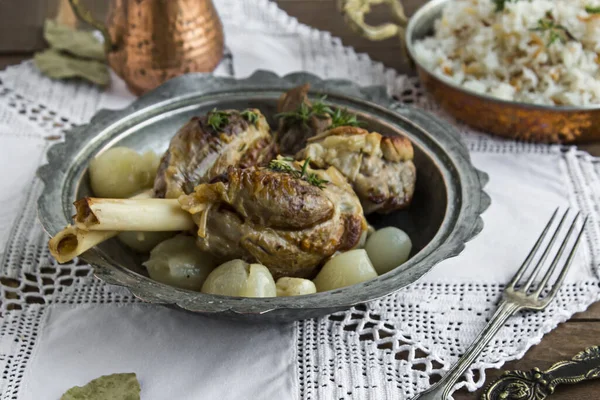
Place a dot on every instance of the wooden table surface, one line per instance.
(581, 331)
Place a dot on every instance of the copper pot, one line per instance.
(512, 119)
(150, 41)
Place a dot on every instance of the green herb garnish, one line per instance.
(250, 116)
(218, 119)
(304, 112)
(592, 10)
(311, 177)
(500, 4)
(314, 180)
(282, 165)
(304, 167)
(301, 115)
(344, 118)
(320, 109)
(556, 32)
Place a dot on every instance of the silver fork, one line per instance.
(515, 298)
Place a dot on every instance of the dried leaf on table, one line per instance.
(79, 43)
(59, 65)
(107, 387)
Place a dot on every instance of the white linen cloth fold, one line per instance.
(175, 354)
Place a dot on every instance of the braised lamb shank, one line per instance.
(287, 217)
(290, 214)
(204, 147)
(379, 168)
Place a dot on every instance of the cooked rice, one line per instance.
(498, 52)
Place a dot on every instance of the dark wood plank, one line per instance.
(12, 59)
(324, 15)
(592, 148)
(561, 344)
(21, 24)
(592, 314)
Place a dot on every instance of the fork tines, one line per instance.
(549, 248)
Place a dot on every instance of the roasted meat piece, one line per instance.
(379, 168)
(205, 146)
(286, 217)
(299, 119)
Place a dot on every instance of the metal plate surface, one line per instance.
(448, 202)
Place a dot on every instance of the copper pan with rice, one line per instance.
(527, 70)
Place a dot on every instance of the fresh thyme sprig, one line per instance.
(320, 109)
(343, 118)
(250, 116)
(555, 31)
(311, 177)
(282, 165)
(303, 113)
(592, 10)
(218, 119)
(304, 167)
(314, 180)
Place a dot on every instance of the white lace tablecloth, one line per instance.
(388, 349)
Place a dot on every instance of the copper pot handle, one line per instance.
(354, 12)
(86, 16)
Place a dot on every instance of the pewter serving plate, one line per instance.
(445, 213)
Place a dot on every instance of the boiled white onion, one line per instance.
(240, 279)
(288, 286)
(388, 248)
(260, 282)
(143, 242)
(346, 269)
(121, 172)
(179, 262)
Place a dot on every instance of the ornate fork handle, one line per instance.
(537, 384)
(515, 298)
(441, 390)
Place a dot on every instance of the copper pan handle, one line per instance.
(86, 16)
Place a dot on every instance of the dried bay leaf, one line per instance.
(78, 43)
(59, 65)
(107, 387)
